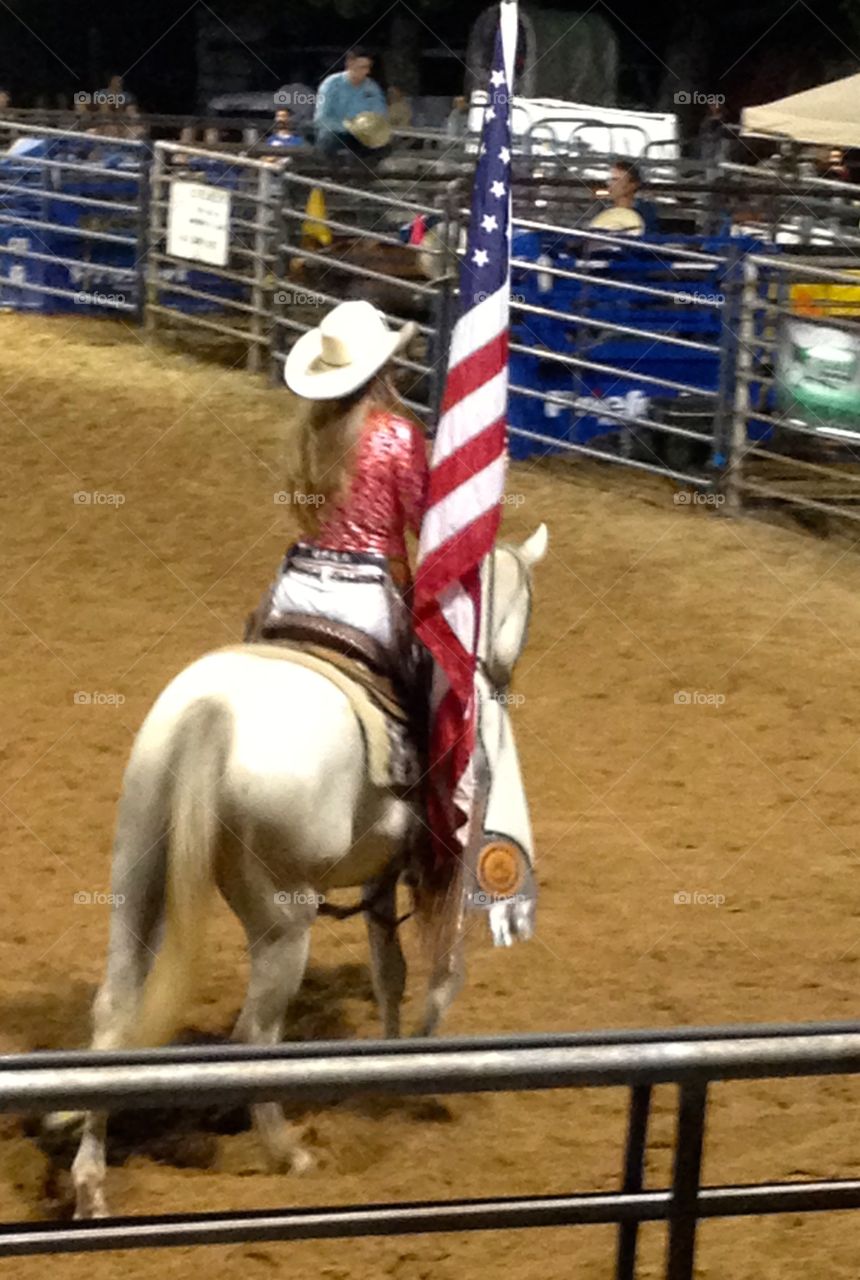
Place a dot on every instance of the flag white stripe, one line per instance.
(463, 505)
(459, 613)
(477, 327)
(471, 415)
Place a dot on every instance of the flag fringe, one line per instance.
(438, 905)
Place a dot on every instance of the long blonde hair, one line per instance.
(326, 441)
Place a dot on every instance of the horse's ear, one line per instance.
(534, 548)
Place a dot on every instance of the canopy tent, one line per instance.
(829, 114)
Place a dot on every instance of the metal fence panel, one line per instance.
(797, 402)
(72, 221)
(339, 242)
(691, 1058)
(618, 349)
(232, 299)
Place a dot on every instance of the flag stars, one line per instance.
(497, 79)
(490, 113)
(489, 222)
(497, 189)
(480, 257)
(505, 155)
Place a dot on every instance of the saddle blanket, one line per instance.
(393, 758)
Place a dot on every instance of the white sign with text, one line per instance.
(198, 223)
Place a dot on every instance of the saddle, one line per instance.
(400, 694)
(349, 642)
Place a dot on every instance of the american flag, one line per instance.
(467, 478)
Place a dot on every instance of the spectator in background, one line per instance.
(83, 110)
(399, 109)
(281, 134)
(5, 99)
(458, 120)
(133, 126)
(833, 165)
(713, 135)
(115, 95)
(625, 181)
(341, 97)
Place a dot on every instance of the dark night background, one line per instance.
(748, 50)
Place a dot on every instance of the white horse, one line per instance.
(251, 774)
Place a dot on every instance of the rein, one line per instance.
(391, 925)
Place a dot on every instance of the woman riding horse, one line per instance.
(362, 483)
(230, 780)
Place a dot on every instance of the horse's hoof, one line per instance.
(62, 1121)
(90, 1203)
(302, 1162)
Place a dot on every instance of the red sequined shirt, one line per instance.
(387, 493)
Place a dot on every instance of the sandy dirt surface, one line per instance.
(635, 796)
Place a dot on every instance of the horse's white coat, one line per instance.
(250, 773)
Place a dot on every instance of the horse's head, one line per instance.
(506, 605)
(507, 844)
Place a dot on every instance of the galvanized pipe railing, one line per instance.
(691, 1058)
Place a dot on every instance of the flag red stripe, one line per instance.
(471, 374)
(467, 461)
(459, 666)
(466, 546)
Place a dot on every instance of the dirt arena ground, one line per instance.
(635, 798)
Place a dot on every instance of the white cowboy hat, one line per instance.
(370, 128)
(618, 219)
(347, 348)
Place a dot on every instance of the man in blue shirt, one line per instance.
(342, 96)
(282, 134)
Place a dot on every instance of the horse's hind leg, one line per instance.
(138, 887)
(277, 925)
(446, 980)
(387, 966)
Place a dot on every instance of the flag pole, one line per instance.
(509, 26)
(509, 29)
(453, 581)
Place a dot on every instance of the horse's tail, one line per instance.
(197, 765)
